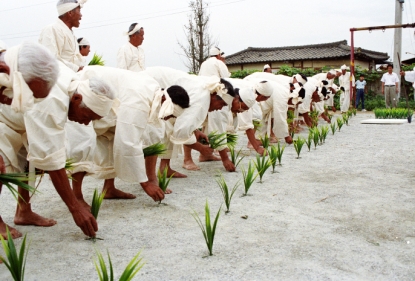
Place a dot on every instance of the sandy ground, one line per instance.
(342, 212)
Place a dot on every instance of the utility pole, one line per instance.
(397, 43)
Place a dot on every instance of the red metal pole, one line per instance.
(351, 64)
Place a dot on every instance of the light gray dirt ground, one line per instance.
(344, 211)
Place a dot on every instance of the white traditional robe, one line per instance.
(214, 67)
(38, 134)
(61, 41)
(344, 81)
(119, 149)
(131, 58)
(320, 77)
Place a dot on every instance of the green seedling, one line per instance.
(324, 132)
(345, 119)
(97, 60)
(272, 153)
(14, 261)
(208, 229)
(231, 140)
(333, 127)
(154, 150)
(235, 156)
(309, 139)
(280, 152)
(18, 179)
(249, 177)
(163, 179)
(314, 118)
(257, 124)
(339, 123)
(262, 164)
(130, 271)
(298, 145)
(316, 136)
(265, 141)
(217, 140)
(226, 192)
(97, 202)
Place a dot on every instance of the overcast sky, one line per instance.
(236, 24)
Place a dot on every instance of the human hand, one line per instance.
(229, 166)
(85, 221)
(201, 136)
(289, 139)
(153, 191)
(260, 150)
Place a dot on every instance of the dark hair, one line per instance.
(324, 91)
(179, 96)
(303, 76)
(228, 86)
(131, 28)
(362, 75)
(325, 82)
(236, 90)
(391, 65)
(301, 84)
(301, 93)
(80, 39)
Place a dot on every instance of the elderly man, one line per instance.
(214, 65)
(267, 68)
(344, 84)
(131, 55)
(59, 37)
(43, 123)
(119, 149)
(390, 87)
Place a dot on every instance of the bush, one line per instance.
(241, 74)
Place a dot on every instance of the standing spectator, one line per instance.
(390, 81)
(131, 55)
(361, 91)
(344, 81)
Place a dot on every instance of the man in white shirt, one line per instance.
(267, 68)
(390, 87)
(59, 38)
(344, 81)
(360, 91)
(214, 66)
(131, 55)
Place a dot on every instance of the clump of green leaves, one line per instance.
(163, 179)
(314, 118)
(265, 141)
(216, 139)
(354, 110)
(309, 139)
(392, 113)
(14, 261)
(226, 192)
(316, 136)
(257, 124)
(154, 149)
(333, 127)
(18, 179)
(345, 117)
(290, 122)
(262, 164)
(324, 131)
(248, 177)
(298, 145)
(231, 140)
(96, 202)
(97, 60)
(235, 156)
(130, 271)
(208, 229)
(339, 123)
(272, 153)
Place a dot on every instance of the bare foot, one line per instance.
(31, 218)
(190, 165)
(209, 158)
(13, 231)
(168, 191)
(113, 193)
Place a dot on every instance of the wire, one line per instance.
(120, 22)
(23, 7)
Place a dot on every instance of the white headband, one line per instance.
(84, 42)
(136, 28)
(64, 8)
(248, 96)
(99, 104)
(300, 79)
(160, 110)
(264, 89)
(332, 72)
(295, 94)
(266, 66)
(214, 86)
(343, 67)
(23, 99)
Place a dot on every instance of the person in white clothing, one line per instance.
(33, 129)
(131, 55)
(344, 84)
(3, 47)
(390, 87)
(59, 37)
(84, 49)
(267, 68)
(214, 65)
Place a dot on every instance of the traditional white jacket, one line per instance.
(214, 67)
(131, 58)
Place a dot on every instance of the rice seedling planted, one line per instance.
(231, 140)
(339, 123)
(345, 119)
(97, 60)
(392, 113)
(155, 149)
(208, 229)
(324, 132)
(163, 179)
(298, 145)
(316, 137)
(248, 177)
(314, 118)
(97, 202)
(265, 141)
(309, 139)
(262, 164)
(235, 156)
(130, 271)
(18, 179)
(280, 152)
(333, 128)
(226, 192)
(217, 140)
(14, 261)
